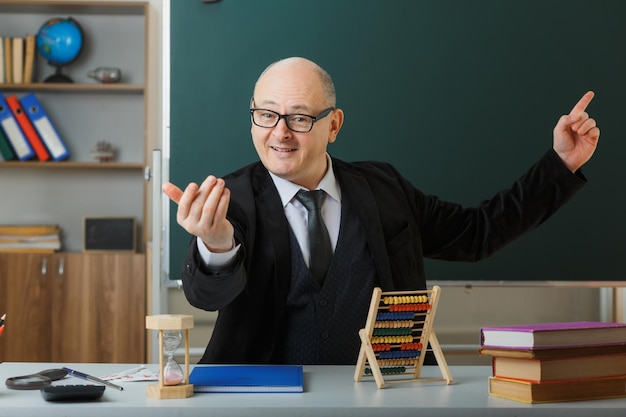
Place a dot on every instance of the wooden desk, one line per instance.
(329, 391)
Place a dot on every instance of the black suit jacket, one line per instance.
(402, 225)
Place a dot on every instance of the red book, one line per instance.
(27, 128)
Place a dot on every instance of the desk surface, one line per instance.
(329, 391)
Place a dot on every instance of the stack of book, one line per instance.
(17, 59)
(30, 238)
(556, 361)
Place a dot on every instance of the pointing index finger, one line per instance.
(172, 191)
(582, 103)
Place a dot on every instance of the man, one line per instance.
(250, 256)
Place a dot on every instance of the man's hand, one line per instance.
(202, 212)
(576, 135)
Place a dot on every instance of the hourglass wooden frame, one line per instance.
(170, 322)
(397, 333)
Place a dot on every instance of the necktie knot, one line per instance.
(311, 200)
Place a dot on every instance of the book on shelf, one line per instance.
(29, 230)
(553, 335)
(29, 58)
(12, 131)
(51, 245)
(42, 123)
(30, 238)
(247, 378)
(8, 60)
(18, 60)
(2, 81)
(6, 151)
(559, 369)
(543, 392)
(27, 128)
(27, 250)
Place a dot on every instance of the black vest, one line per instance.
(323, 323)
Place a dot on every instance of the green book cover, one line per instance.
(5, 148)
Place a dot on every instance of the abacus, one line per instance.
(397, 333)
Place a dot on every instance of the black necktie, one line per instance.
(319, 241)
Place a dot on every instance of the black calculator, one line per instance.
(72, 392)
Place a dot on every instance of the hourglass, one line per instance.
(173, 382)
(172, 373)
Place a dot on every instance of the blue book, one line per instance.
(42, 123)
(13, 133)
(247, 378)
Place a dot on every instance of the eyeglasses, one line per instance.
(301, 123)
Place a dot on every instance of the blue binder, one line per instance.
(14, 134)
(48, 133)
(247, 378)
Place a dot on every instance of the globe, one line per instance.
(60, 42)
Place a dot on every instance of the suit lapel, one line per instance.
(274, 227)
(356, 188)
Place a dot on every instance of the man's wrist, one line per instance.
(217, 260)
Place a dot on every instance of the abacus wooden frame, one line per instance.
(367, 356)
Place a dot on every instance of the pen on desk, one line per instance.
(92, 378)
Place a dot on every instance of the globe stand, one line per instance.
(58, 76)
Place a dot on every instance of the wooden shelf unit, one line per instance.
(59, 87)
(85, 113)
(87, 307)
(71, 165)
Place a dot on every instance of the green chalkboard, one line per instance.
(461, 96)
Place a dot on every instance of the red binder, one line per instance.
(27, 128)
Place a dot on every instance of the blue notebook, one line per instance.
(247, 378)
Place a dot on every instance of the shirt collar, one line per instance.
(287, 189)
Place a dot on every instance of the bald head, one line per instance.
(307, 71)
(287, 88)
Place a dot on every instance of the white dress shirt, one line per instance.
(297, 216)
